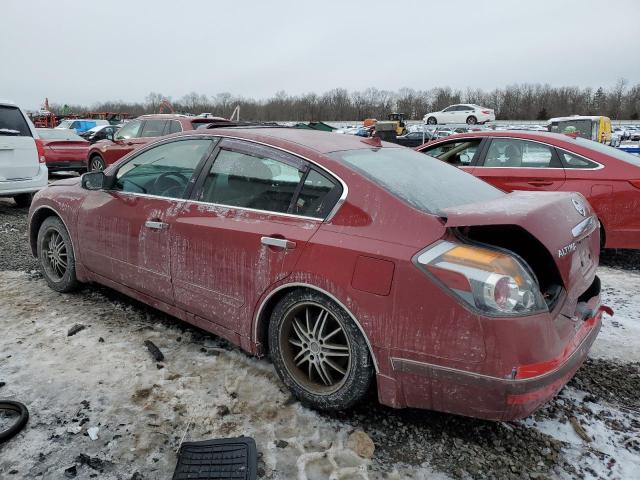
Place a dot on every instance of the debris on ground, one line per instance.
(361, 443)
(78, 327)
(154, 351)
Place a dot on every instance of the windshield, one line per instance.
(421, 181)
(65, 124)
(57, 134)
(611, 151)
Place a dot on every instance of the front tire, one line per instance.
(56, 256)
(471, 120)
(432, 121)
(318, 351)
(23, 200)
(96, 164)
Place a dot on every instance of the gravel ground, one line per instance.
(591, 430)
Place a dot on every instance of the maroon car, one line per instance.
(540, 161)
(141, 131)
(63, 149)
(349, 261)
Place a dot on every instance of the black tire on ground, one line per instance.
(342, 358)
(23, 413)
(603, 237)
(432, 121)
(56, 256)
(471, 120)
(23, 200)
(96, 163)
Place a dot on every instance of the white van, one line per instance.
(22, 164)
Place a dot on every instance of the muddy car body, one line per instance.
(345, 260)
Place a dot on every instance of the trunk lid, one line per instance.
(564, 223)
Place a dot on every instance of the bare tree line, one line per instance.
(514, 102)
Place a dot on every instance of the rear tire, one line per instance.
(56, 256)
(432, 121)
(471, 120)
(23, 200)
(96, 164)
(318, 351)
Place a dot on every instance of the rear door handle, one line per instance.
(540, 183)
(156, 225)
(278, 243)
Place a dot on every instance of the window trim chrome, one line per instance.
(330, 215)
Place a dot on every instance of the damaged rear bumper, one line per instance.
(494, 398)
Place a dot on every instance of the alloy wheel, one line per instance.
(316, 350)
(96, 164)
(55, 255)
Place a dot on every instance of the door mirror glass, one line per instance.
(93, 180)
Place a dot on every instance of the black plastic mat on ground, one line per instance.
(228, 458)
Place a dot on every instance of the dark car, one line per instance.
(413, 139)
(539, 161)
(101, 132)
(351, 262)
(138, 132)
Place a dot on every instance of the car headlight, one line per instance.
(492, 281)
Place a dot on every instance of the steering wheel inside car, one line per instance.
(166, 186)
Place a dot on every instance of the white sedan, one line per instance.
(461, 113)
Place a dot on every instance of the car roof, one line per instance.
(321, 142)
(8, 103)
(524, 134)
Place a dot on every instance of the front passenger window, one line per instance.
(164, 170)
(459, 154)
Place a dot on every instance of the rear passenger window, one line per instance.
(318, 196)
(12, 122)
(509, 152)
(573, 161)
(251, 181)
(174, 127)
(153, 128)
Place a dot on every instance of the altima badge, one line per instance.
(580, 206)
(568, 249)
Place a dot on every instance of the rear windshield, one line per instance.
(58, 134)
(423, 182)
(611, 151)
(12, 122)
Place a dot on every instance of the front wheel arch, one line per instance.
(38, 217)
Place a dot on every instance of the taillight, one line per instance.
(635, 183)
(488, 280)
(40, 147)
(487, 112)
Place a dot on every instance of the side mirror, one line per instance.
(93, 181)
(111, 136)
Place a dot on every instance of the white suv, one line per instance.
(22, 165)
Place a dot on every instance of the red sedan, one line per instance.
(520, 160)
(141, 131)
(63, 149)
(347, 260)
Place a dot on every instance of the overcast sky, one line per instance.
(88, 51)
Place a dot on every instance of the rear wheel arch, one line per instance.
(263, 315)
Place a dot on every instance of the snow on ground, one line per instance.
(104, 377)
(619, 338)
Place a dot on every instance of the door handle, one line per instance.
(540, 183)
(156, 225)
(278, 243)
